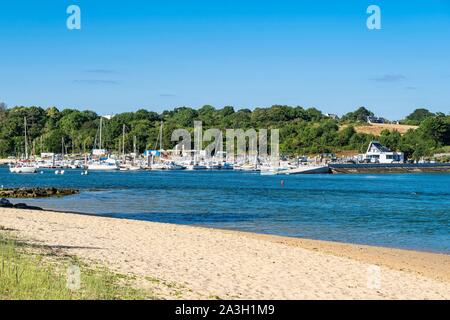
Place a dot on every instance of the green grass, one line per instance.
(40, 273)
(444, 149)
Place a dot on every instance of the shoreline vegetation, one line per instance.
(32, 271)
(303, 131)
(175, 261)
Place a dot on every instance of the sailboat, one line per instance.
(133, 166)
(158, 165)
(165, 164)
(128, 166)
(168, 164)
(195, 164)
(103, 164)
(24, 166)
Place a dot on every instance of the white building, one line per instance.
(332, 116)
(371, 119)
(377, 153)
(108, 116)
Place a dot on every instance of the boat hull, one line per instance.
(94, 167)
(22, 170)
(307, 170)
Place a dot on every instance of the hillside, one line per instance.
(302, 131)
(376, 128)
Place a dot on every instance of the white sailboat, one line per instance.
(165, 164)
(24, 166)
(103, 165)
(106, 164)
(195, 164)
(124, 165)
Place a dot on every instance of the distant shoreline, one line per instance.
(234, 264)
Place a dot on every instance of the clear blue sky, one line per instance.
(245, 53)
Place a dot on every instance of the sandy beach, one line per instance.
(177, 261)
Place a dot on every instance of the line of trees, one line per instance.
(302, 131)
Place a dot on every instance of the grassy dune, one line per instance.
(38, 272)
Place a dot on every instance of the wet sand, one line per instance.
(179, 261)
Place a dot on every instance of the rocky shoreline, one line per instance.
(36, 192)
(5, 203)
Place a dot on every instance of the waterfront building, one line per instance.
(377, 153)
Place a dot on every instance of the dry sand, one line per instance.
(192, 262)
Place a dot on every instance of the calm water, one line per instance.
(397, 210)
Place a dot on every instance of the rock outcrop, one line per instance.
(5, 203)
(36, 192)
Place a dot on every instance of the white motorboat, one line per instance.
(307, 169)
(265, 170)
(107, 165)
(196, 166)
(134, 168)
(130, 167)
(157, 166)
(22, 168)
(270, 169)
(248, 167)
(171, 165)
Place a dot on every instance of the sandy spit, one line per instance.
(198, 263)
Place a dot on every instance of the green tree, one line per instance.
(390, 139)
(417, 116)
(360, 115)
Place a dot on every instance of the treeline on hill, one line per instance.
(302, 131)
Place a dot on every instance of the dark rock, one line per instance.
(33, 208)
(20, 205)
(4, 203)
(26, 207)
(36, 192)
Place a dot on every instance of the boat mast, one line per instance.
(123, 141)
(26, 139)
(100, 137)
(62, 147)
(134, 150)
(161, 136)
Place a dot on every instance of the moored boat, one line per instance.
(107, 165)
(214, 166)
(196, 166)
(307, 169)
(171, 165)
(23, 168)
(247, 167)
